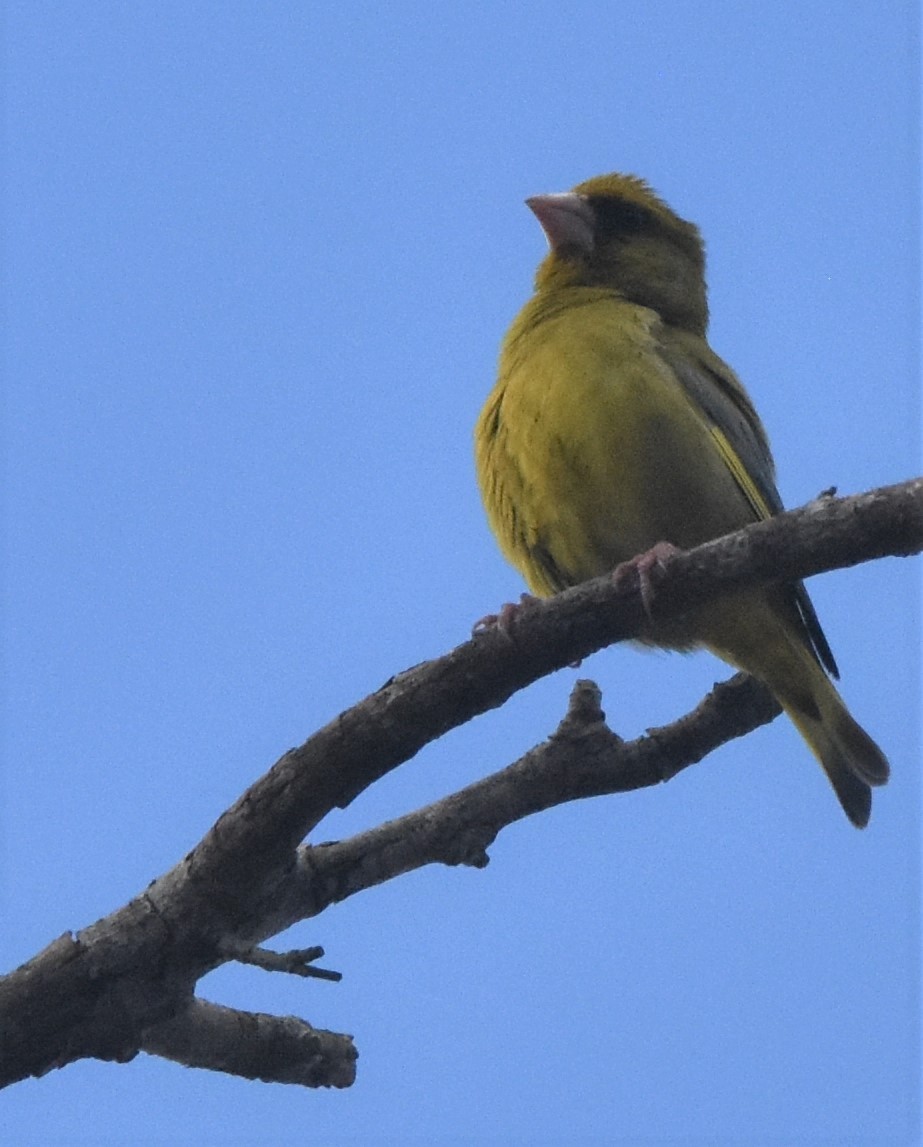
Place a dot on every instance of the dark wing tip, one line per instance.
(818, 641)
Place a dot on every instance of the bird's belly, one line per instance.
(585, 462)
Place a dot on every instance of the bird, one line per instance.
(614, 435)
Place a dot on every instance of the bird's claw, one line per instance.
(505, 618)
(646, 567)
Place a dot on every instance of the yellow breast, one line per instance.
(589, 450)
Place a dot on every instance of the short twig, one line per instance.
(296, 962)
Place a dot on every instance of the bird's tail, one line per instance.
(754, 637)
(850, 758)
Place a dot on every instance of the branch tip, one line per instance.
(296, 962)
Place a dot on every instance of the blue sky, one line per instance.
(259, 258)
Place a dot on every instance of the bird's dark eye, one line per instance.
(616, 217)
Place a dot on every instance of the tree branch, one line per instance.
(108, 991)
(582, 758)
(296, 962)
(274, 1049)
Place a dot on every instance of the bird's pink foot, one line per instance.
(646, 567)
(505, 618)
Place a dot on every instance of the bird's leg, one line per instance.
(505, 618)
(646, 567)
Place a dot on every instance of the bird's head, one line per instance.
(613, 231)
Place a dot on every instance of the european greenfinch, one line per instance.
(614, 431)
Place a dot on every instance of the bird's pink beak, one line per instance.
(567, 219)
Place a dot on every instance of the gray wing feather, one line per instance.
(717, 392)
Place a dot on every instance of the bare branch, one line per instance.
(103, 992)
(582, 758)
(275, 1049)
(296, 962)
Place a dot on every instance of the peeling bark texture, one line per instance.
(126, 983)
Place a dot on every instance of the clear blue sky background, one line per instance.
(259, 257)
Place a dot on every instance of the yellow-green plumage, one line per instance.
(613, 426)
